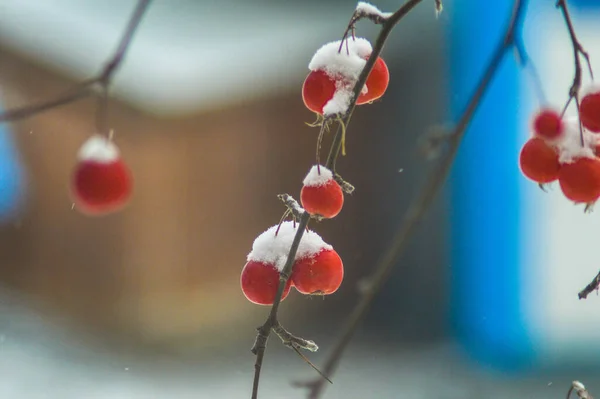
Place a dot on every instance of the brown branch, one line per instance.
(420, 202)
(264, 331)
(592, 286)
(292, 205)
(577, 50)
(86, 88)
(347, 188)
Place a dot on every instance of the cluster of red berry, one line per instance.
(102, 181)
(567, 150)
(327, 89)
(317, 268)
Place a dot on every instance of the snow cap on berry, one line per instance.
(365, 8)
(349, 62)
(591, 88)
(569, 146)
(274, 249)
(342, 66)
(98, 149)
(316, 179)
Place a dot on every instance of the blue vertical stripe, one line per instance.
(485, 193)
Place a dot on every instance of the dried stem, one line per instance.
(577, 51)
(265, 330)
(292, 205)
(421, 201)
(86, 88)
(592, 286)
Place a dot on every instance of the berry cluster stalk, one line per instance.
(388, 24)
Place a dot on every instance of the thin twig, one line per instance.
(292, 205)
(577, 51)
(260, 344)
(347, 188)
(85, 88)
(420, 202)
(264, 331)
(592, 286)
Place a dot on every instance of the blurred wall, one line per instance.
(166, 269)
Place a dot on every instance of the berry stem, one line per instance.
(577, 50)
(265, 330)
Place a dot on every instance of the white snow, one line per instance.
(369, 9)
(348, 63)
(569, 144)
(344, 67)
(98, 149)
(274, 249)
(593, 87)
(340, 101)
(314, 179)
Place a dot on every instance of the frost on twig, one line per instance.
(347, 188)
(367, 10)
(291, 340)
(292, 205)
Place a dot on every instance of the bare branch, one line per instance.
(289, 339)
(265, 330)
(85, 89)
(577, 50)
(592, 286)
(347, 188)
(292, 205)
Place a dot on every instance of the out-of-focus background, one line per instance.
(145, 303)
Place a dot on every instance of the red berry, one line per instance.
(539, 161)
(580, 180)
(376, 83)
(318, 274)
(317, 90)
(548, 124)
(102, 182)
(321, 195)
(260, 282)
(589, 111)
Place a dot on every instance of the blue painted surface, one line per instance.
(485, 194)
(12, 184)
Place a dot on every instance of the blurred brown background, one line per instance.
(167, 267)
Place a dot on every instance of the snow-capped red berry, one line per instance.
(589, 111)
(548, 124)
(319, 274)
(318, 89)
(580, 180)
(260, 276)
(101, 182)
(343, 67)
(321, 194)
(376, 83)
(260, 282)
(539, 161)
